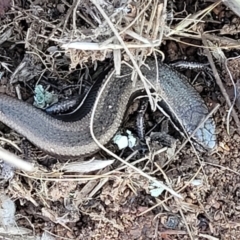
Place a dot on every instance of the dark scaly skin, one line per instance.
(72, 139)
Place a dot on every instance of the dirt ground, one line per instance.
(113, 201)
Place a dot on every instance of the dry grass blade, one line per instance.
(11, 143)
(89, 166)
(101, 47)
(223, 42)
(190, 19)
(5, 36)
(16, 161)
(16, 231)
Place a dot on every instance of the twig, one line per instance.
(15, 161)
(235, 92)
(186, 224)
(220, 84)
(222, 167)
(11, 143)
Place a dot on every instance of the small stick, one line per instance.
(15, 161)
(220, 84)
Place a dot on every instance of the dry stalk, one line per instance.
(15, 161)
(235, 93)
(220, 84)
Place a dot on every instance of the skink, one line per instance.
(73, 138)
